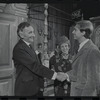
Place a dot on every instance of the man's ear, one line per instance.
(83, 32)
(21, 34)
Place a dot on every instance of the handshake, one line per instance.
(62, 76)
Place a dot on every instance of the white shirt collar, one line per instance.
(82, 44)
(26, 42)
(37, 52)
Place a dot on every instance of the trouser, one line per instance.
(39, 94)
(78, 91)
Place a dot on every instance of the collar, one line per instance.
(37, 52)
(82, 44)
(26, 42)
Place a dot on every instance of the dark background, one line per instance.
(90, 8)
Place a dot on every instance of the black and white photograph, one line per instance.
(50, 49)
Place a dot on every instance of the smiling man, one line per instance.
(85, 73)
(29, 70)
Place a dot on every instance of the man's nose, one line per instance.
(73, 32)
(33, 35)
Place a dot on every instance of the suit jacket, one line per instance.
(28, 70)
(85, 73)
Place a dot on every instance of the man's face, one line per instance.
(77, 33)
(28, 34)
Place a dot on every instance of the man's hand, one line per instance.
(61, 76)
(67, 77)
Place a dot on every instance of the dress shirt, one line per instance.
(27, 43)
(37, 52)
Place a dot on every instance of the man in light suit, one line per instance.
(29, 70)
(85, 73)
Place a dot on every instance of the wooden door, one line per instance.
(10, 16)
(6, 64)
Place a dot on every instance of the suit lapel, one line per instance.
(34, 54)
(82, 50)
(30, 51)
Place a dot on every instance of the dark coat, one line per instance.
(28, 70)
(85, 71)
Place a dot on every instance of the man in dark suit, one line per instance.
(28, 68)
(85, 73)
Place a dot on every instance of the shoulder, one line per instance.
(94, 49)
(18, 46)
(94, 52)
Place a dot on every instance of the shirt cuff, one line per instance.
(54, 76)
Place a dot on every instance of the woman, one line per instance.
(60, 62)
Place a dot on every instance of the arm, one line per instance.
(70, 75)
(23, 57)
(93, 64)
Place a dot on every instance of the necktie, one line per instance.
(30, 46)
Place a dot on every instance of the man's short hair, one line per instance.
(87, 26)
(21, 26)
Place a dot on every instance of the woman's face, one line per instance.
(64, 48)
